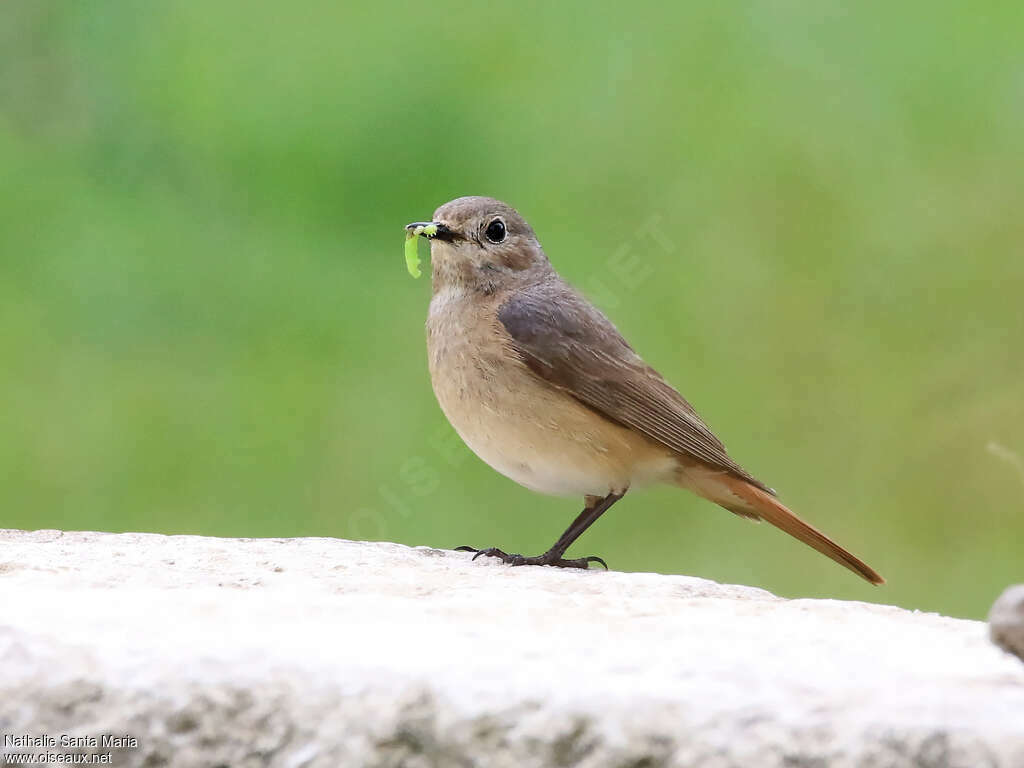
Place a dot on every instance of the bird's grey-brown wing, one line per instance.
(564, 340)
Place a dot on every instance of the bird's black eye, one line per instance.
(495, 231)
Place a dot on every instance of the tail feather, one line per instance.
(748, 500)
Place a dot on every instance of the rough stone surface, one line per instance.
(1006, 620)
(317, 652)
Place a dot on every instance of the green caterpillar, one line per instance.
(412, 257)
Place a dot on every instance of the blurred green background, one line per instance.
(809, 218)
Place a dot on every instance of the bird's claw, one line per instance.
(505, 557)
(545, 559)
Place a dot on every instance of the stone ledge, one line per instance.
(322, 652)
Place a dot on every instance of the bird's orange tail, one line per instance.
(744, 499)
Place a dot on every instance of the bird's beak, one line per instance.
(440, 231)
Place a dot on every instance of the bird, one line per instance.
(541, 386)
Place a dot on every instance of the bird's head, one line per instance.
(481, 243)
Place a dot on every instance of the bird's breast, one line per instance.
(523, 427)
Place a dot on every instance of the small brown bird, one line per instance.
(543, 387)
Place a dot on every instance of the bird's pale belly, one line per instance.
(538, 436)
(541, 460)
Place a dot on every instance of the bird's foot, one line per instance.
(548, 558)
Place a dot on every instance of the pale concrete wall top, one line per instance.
(322, 652)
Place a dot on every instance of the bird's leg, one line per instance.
(596, 506)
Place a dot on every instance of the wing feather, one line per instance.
(567, 342)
